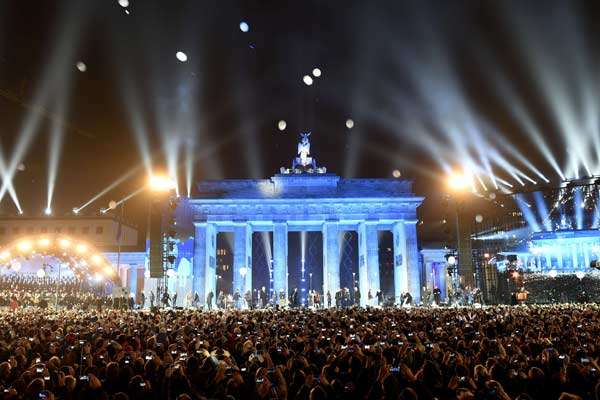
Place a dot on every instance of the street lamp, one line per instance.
(458, 181)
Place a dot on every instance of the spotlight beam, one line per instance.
(10, 187)
(110, 187)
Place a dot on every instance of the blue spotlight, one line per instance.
(543, 210)
(527, 213)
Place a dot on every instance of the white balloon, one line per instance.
(307, 80)
(81, 66)
(281, 125)
(479, 218)
(124, 3)
(349, 123)
(181, 56)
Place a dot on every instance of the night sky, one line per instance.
(401, 70)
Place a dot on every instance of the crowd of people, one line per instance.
(26, 291)
(502, 352)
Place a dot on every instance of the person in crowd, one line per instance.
(174, 299)
(152, 299)
(166, 299)
(209, 299)
(196, 300)
(142, 300)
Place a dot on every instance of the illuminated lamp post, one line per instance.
(458, 183)
(160, 185)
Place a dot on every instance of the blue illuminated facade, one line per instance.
(563, 251)
(306, 202)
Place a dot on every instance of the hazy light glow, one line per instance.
(161, 183)
(458, 181)
(24, 246)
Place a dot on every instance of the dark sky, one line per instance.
(384, 64)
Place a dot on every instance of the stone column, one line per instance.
(331, 258)
(205, 263)
(368, 262)
(373, 260)
(412, 260)
(585, 247)
(574, 258)
(242, 258)
(440, 279)
(280, 258)
(400, 265)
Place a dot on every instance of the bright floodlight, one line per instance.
(124, 3)
(316, 72)
(451, 260)
(81, 248)
(96, 259)
(75, 210)
(181, 56)
(349, 123)
(40, 273)
(458, 181)
(161, 183)
(81, 66)
(5, 255)
(64, 243)
(24, 246)
(97, 277)
(48, 211)
(580, 274)
(244, 27)
(44, 242)
(281, 125)
(552, 274)
(307, 80)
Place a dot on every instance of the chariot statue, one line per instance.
(304, 163)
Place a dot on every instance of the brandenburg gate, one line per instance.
(307, 198)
